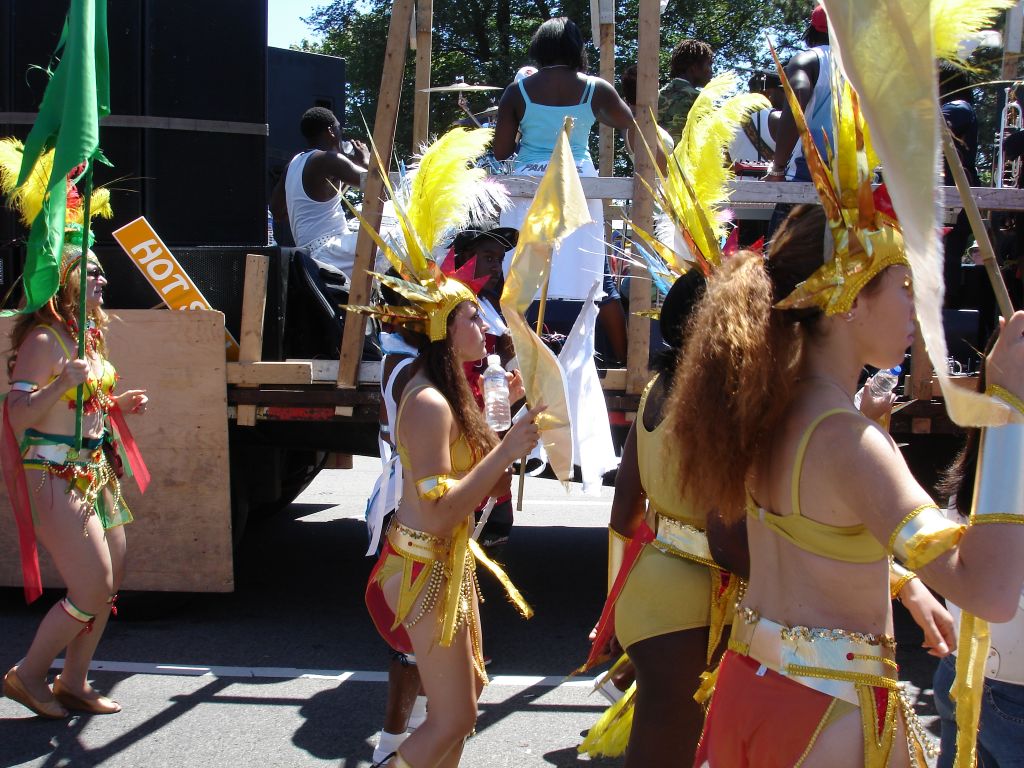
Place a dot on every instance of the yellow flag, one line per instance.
(886, 50)
(558, 209)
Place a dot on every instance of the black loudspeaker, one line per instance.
(206, 61)
(189, 59)
(218, 272)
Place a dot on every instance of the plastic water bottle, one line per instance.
(497, 410)
(881, 384)
(884, 382)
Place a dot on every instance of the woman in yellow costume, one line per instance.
(763, 416)
(70, 501)
(423, 594)
(668, 598)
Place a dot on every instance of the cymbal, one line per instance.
(489, 112)
(458, 86)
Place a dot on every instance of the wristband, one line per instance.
(1006, 396)
(899, 577)
(617, 544)
(999, 483)
(24, 386)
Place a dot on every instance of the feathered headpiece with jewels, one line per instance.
(692, 191)
(27, 199)
(444, 193)
(865, 236)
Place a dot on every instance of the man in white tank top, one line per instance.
(309, 192)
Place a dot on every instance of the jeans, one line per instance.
(1001, 731)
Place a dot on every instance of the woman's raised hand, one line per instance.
(1005, 365)
(523, 435)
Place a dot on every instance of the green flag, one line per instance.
(77, 95)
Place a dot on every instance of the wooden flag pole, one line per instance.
(988, 255)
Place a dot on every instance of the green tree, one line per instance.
(486, 41)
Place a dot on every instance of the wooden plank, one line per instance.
(424, 43)
(254, 305)
(384, 140)
(639, 338)
(153, 121)
(763, 193)
(181, 538)
(254, 374)
(606, 139)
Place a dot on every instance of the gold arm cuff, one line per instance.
(923, 535)
(617, 544)
(434, 487)
(1006, 396)
(997, 517)
(899, 577)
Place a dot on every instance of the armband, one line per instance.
(999, 483)
(434, 487)
(923, 535)
(24, 386)
(1006, 396)
(617, 544)
(899, 577)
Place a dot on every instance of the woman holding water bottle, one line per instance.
(422, 594)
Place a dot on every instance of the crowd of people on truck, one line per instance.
(751, 574)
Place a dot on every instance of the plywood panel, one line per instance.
(181, 537)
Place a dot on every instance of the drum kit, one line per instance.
(472, 120)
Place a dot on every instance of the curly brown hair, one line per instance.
(61, 310)
(443, 369)
(735, 375)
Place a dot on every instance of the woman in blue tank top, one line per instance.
(535, 107)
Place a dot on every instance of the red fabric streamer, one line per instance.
(17, 490)
(606, 624)
(131, 448)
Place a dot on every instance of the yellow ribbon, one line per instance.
(969, 685)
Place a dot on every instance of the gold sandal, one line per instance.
(102, 705)
(15, 690)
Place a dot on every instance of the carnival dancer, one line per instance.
(71, 501)
(668, 598)
(763, 415)
(422, 594)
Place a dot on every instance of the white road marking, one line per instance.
(293, 673)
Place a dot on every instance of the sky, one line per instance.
(284, 21)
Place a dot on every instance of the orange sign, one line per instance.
(154, 259)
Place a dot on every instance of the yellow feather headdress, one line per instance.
(865, 236)
(692, 191)
(444, 193)
(27, 200)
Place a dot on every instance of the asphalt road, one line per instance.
(288, 670)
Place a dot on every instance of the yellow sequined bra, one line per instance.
(848, 543)
(660, 485)
(462, 458)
